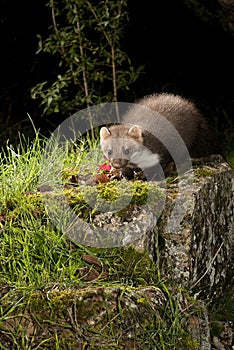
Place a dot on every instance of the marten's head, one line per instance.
(123, 146)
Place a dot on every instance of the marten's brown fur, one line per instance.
(147, 135)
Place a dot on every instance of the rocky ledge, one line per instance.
(192, 241)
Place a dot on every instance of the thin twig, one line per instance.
(82, 59)
(100, 23)
(54, 22)
(209, 266)
(85, 80)
(111, 42)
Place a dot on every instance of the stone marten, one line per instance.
(146, 138)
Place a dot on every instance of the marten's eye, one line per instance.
(126, 151)
(109, 152)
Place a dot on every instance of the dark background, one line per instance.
(181, 53)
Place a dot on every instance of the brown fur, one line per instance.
(179, 112)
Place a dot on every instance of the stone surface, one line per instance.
(198, 252)
(225, 341)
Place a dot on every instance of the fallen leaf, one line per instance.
(91, 260)
(96, 179)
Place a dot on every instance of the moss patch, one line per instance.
(116, 317)
(204, 172)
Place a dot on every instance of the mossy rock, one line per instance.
(115, 317)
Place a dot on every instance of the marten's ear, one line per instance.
(104, 133)
(136, 133)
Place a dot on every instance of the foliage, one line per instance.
(85, 40)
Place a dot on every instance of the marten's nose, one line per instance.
(118, 163)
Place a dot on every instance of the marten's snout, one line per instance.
(119, 163)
